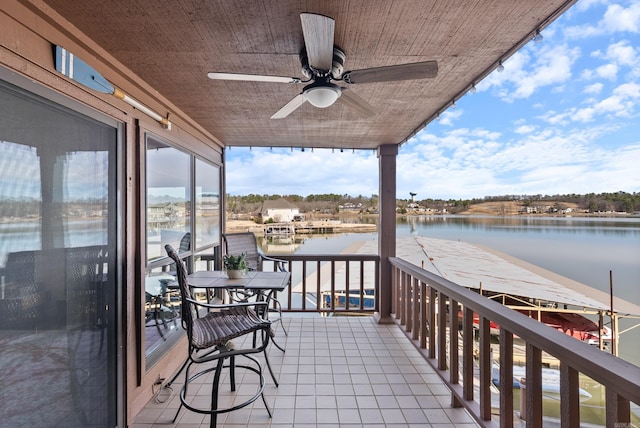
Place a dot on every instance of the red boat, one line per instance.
(572, 324)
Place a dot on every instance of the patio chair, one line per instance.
(247, 244)
(210, 329)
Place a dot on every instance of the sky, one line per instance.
(562, 117)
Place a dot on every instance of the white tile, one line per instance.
(341, 372)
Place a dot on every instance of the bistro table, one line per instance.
(160, 308)
(258, 284)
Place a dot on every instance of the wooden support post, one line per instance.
(387, 154)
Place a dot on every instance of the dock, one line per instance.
(493, 274)
(311, 227)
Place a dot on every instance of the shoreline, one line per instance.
(338, 226)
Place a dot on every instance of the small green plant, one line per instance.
(232, 262)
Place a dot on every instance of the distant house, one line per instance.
(279, 210)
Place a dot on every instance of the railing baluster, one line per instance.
(403, 298)
(432, 322)
(454, 361)
(395, 273)
(534, 386)
(467, 354)
(423, 315)
(618, 410)
(409, 304)
(506, 378)
(569, 397)
(442, 331)
(415, 312)
(333, 285)
(362, 285)
(318, 282)
(346, 286)
(376, 274)
(304, 285)
(485, 368)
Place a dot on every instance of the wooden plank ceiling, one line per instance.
(173, 44)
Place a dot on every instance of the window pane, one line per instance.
(168, 222)
(207, 207)
(168, 197)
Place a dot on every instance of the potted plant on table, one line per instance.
(236, 266)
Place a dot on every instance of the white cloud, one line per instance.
(607, 71)
(281, 171)
(449, 116)
(594, 88)
(622, 53)
(618, 18)
(521, 78)
(584, 114)
(524, 129)
(628, 90)
(584, 5)
(622, 102)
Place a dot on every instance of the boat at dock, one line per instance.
(550, 381)
(570, 323)
(280, 229)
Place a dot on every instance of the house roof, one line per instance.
(171, 46)
(278, 204)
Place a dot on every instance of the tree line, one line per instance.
(591, 202)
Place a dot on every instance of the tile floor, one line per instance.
(336, 372)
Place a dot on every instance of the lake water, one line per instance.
(582, 249)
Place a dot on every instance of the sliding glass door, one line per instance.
(59, 283)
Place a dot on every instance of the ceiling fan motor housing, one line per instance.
(337, 67)
(338, 63)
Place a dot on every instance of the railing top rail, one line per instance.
(328, 257)
(605, 368)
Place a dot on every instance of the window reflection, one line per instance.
(58, 243)
(178, 185)
(207, 207)
(168, 197)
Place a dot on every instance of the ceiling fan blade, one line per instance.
(357, 103)
(290, 107)
(252, 78)
(318, 39)
(415, 70)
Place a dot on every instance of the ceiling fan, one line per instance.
(322, 64)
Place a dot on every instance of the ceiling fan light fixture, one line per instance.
(323, 95)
